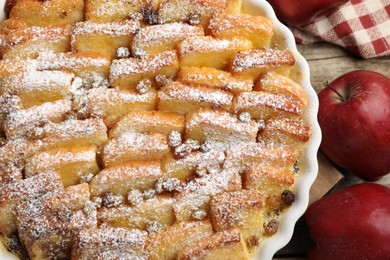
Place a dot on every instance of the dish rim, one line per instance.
(309, 172)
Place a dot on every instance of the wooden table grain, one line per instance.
(327, 62)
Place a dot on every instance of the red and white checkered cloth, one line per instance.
(360, 26)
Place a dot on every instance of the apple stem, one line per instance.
(337, 93)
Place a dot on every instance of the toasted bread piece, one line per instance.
(213, 78)
(75, 132)
(21, 190)
(102, 11)
(193, 203)
(8, 104)
(197, 12)
(256, 62)
(112, 104)
(286, 131)
(257, 29)
(71, 163)
(11, 25)
(37, 87)
(135, 146)
(268, 179)
(126, 73)
(219, 126)
(167, 244)
(29, 42)
(281, 85)
(140, 175)
(56, 12)
(109, 242)
(92, 68)
(148, 122)
(19, 123)
(15, 151)
(225, 245)
(158, 209)
(183, 168)
(9, 173)
(180, 98)
(163, 37)
(241, 209)
(246, 155)
(10, 67)
(48, 224)
(233, 6)
(103, 37)
(264, 105)
(205, 51)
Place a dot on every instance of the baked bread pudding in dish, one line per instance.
(171, 129)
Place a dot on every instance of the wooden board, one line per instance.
(328, 177)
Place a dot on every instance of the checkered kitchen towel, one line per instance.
(360, 26)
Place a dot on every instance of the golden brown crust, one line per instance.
(221, 245)
(44, 13)
(254, 63)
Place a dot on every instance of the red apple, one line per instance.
(350, 224)
(354, 116)
(300, 12)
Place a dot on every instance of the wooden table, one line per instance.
(327, 62)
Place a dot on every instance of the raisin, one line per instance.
(110, 199)
(2, 138)
(149, 14)
(271, 227)
(254, 241)
(135, 197)
(174, 139)
(144, 86)
(199, 215)
(205, 147)
(288, 197)
(194, 19)
(244, 117)
(181, 151)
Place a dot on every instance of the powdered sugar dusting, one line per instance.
(177, 92)
(33, 80)
(31, 187)
(262, 58)
(49, 34)
(19, 122)
(89, 131)
(114, 237)
(165, 34)
(69, 61)
(141, 176)
(223, 21)
(57, 215)
(214, 78)
(137, 66)
(62, 157)
(114, 28)
(132, 146)
(228, 126)
(209, 44)
(262, 99)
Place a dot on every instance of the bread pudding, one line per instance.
(145, 129)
